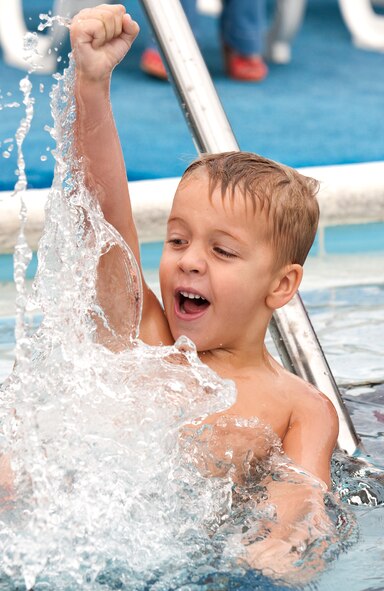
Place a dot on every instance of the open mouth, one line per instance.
(189, 303)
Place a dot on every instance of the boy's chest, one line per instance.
(264, 402)
(245, 433)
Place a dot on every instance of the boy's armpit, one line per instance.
(154, 328)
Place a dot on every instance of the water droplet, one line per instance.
(41, 87)
(6, 154)
(43, 158)
(30, 41)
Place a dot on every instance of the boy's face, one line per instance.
(216, 269)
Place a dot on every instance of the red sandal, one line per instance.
(250, 68)
(152, 64)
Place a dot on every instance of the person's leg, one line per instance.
(190, 9)
(243, 24)
(151, 61)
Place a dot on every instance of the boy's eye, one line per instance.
(224, 253)
(176, 241)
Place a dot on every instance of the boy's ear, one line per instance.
(284, 286)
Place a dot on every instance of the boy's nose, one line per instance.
(192, 261)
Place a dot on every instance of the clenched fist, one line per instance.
(100, 38)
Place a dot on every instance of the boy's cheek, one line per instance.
(164, 277)
(167, 265)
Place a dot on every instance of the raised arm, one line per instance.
(100, 39)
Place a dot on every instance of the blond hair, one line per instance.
(287, 197)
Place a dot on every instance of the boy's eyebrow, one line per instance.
(176, 219)
(217, 231)
(231, 235)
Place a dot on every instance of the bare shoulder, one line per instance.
(306, 398)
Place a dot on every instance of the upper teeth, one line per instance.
(191, 296)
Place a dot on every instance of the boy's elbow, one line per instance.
(330, 420)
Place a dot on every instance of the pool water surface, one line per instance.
(344, 295)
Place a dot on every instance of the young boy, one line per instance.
(238, 233)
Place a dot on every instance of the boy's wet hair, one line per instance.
(287, 197)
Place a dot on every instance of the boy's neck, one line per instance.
(227, 362)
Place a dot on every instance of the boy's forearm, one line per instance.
(301, 522)
(98, 149)
(100, 39)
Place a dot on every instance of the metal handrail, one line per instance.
(290, 327)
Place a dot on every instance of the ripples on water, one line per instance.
(102, 491)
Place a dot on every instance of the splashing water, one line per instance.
(22, 254)
(49, 21)
(107, 480)
(91, 436)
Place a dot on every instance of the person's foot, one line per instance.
(152, 64)
(251, 68)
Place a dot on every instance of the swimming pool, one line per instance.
(373, 531)
(344, 270)
(343, 289)
(344, 294)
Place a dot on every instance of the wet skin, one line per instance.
(217, 248)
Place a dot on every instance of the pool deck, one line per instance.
(349, 193)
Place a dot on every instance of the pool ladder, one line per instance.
(291, 328)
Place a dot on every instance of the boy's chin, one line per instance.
(201, 344)
(177, 334)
